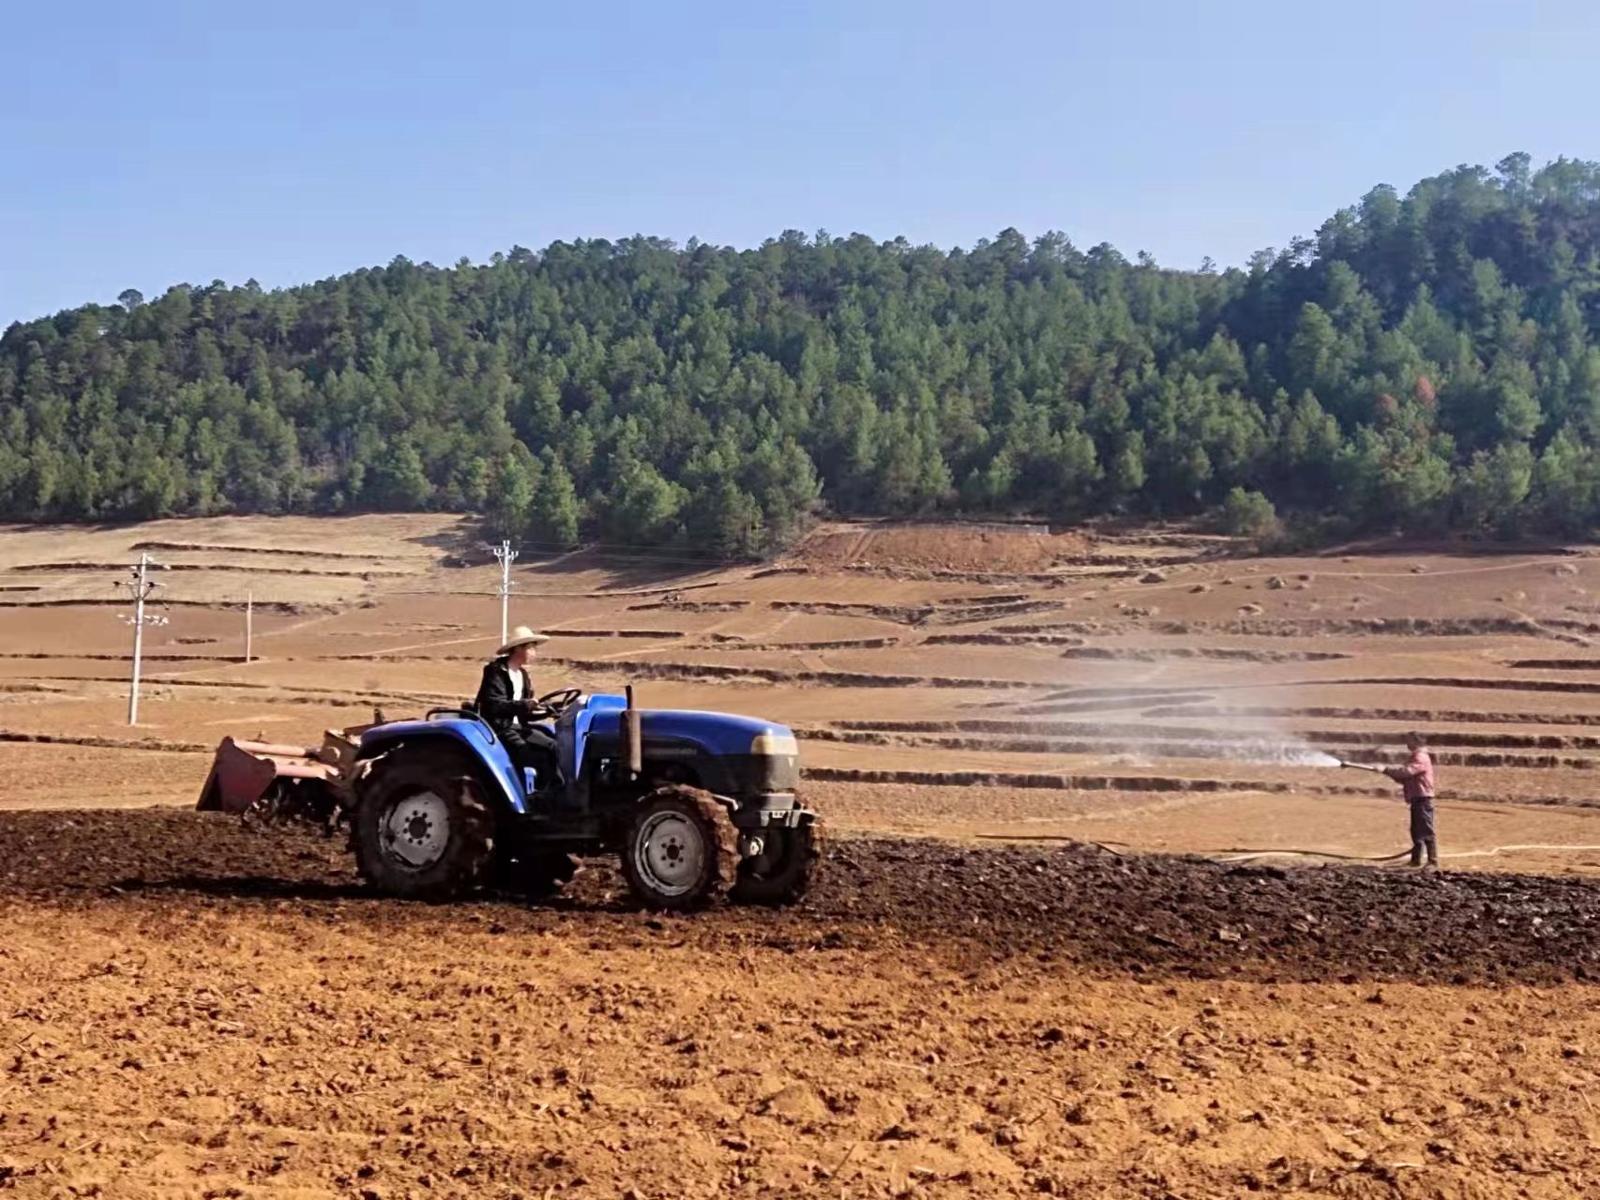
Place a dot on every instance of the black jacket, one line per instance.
(508, 717)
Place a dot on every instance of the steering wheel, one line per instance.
(555, 703)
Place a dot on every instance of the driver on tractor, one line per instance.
(506, 702)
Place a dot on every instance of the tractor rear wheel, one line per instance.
(783, 870)
(421, 829)
(681, 851)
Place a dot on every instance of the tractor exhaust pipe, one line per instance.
(632, 737)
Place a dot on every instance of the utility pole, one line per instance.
(249, 622)
(139, 587)
(505, 555)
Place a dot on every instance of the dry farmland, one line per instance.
(1092, 920)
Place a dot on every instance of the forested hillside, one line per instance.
(1425, 361)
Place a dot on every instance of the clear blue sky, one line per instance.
(145, 144)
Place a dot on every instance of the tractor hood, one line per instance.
(718, 733)
(744, 758)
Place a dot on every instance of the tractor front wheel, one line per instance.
(682, 851)
(421, 829)
(783, 870)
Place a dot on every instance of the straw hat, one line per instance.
(521, 636)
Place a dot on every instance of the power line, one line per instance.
(640, 555)
(631, 551)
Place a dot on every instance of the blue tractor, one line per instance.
(696, 804)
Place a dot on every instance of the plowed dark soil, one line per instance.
(1144, 916)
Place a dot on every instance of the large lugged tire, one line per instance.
(784, 870)
(681, 851)
(421, 829)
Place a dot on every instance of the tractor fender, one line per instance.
(472, 739)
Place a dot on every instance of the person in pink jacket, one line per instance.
(1416, 779)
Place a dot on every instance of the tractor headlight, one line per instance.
(774, 763)
(776, 744)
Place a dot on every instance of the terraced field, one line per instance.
(1031, 668)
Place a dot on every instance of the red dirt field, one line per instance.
(1091, 922)
(196, 1010)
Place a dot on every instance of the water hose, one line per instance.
(1362, 767)
(1245, 855)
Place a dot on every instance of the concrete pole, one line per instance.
(507, 556)
(140, 590)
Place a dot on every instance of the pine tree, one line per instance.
(553, 513)
(510, 497)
